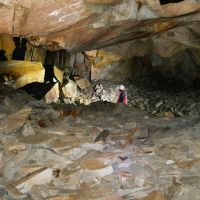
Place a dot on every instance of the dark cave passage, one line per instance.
(20, 49)
(162, 2)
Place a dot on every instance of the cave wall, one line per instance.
(31, 52)
(7, 44)
(171, 53)
(107, 65)
(118, 30)
(117, 71)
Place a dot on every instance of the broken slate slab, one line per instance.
(75, 154)
(14, 121)
(91, 146)
(100, 192)
(27, 129)
(155, 195)
(83, 83)
(12, 144)
(92, 169)
(134, 193)
(40, 177)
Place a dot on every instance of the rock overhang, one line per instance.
(79, 25)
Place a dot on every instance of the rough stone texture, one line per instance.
(53, 94)
(70, 90)
(40, 177)
(34, 53)
(83, 83)
(7, 44)
(63, 156)
(22, 72)
(14, 121)
(94, 24)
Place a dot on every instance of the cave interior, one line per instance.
(99, 100)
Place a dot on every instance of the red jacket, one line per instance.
(123, 97)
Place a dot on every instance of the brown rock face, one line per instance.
(106, 2)
(78, 25)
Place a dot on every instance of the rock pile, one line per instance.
(146, 96)
(104, 91)
(93, 152)
(150, 96)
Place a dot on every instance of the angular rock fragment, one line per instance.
(148, 149)
(73, 181)
(83, 83)
(40, 177)
(26, 170)
(70, 90)
(11, 105)
(53, 94)
(16, 147)
(127, 180)
(27, 129)
(75, 154)
(102, 136)
(139, 182)
(156, 195)
(92, 164)
(186, 192)
(187, 164)
(12, 191)
(92, 53)
(92, 169)
(101, 192)
(14, 121)
(129, 138)
(58, 74)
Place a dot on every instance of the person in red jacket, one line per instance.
(123, 95)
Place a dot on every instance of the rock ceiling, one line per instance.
(79, 25)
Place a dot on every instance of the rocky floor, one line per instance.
(155, 94)
(96, 152)
(158, 95)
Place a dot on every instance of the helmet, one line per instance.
(121, 87)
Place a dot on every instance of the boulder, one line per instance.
(23, 72)
(53, 94)
(83, 83)
(58, 74)
(70, 90)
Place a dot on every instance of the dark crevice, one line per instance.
(38, 90)
(20, 50)
(2, 55)
(57, 58)
(49, 73)
(162, 2)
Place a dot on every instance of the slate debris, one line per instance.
(102, 136)
(44, 154)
